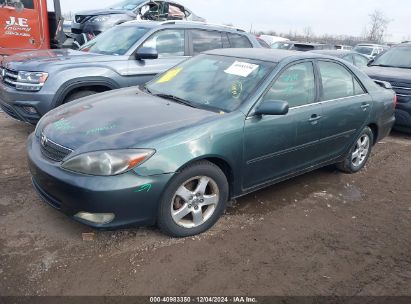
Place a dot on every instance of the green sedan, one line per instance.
(214, 128)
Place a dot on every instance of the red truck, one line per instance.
(29, 25)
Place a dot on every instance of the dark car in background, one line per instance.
(394, 66)
(213, 128)
(88, 24)
(129, 54)
(360, 61)
(301, 46)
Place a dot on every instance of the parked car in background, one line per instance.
(129, 54)
(394, 66)
(88, 24)
(213, 128)
(263, 43)
(343, 47)
(359, 60)
(272, 39)
(369, 50)
(301, 46)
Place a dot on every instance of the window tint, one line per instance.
(206, 40)
(296, 85)
(239, 41)
(337, 81)
(28, 4)
(167, 43)
(360, 61)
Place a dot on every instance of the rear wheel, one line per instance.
(78, 95)
(359, 153)
(194, 200)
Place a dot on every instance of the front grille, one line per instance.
(402, 89)
(52, 150)
(9, 77)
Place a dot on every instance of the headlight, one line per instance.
(31, 81)
(107, 163)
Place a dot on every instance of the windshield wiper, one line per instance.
(175, 99)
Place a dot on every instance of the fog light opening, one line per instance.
(96, 218)
(29, 110)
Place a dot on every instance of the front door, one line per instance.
(21, 29)
(346, 107)
(277, 146)
(171, 45)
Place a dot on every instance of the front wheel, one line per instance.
(194, 200)
(359, 153)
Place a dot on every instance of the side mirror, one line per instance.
(272, 107)
(370, 62)
(384, 84)
(146, 53)
(19, 7)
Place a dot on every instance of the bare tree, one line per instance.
(378, 26)
(308, 33)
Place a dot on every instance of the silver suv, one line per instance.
(31, 84)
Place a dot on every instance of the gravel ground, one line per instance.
(324, 233)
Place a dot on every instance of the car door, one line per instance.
(172, 48)
(276, 146)
(346, 106)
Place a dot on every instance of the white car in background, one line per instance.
(370, 50)
(272, 39)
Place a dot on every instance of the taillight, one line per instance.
(395, 100)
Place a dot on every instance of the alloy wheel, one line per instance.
(361, 151)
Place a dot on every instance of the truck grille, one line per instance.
(402, 89)
(52, 150)
(9, 77)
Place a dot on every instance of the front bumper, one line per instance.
(12, 102)
(73, 193)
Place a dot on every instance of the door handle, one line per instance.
(314, 118)
(365, 106)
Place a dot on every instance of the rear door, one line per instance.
(346, 107)
(172, 48)
(22, 30)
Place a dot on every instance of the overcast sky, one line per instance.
(346, 17)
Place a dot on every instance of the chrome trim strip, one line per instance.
(42, 134)
(326, 101)
(401, 88)
(15, 83)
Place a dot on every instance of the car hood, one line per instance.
(40, 60)
(101, 12)
(396, 75)
(118, 119)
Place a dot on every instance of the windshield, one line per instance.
(217, 83)
(282, 45)
(115, 41)
(366, 50)
(399, 57)
(127, 5)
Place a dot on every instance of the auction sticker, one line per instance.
(242, 69)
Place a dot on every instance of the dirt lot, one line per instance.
(324, 233)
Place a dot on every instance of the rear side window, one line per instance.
(28, 4)
(296, 85)
(337, 81)
(239, 41)
(206, 40)
(167, 43)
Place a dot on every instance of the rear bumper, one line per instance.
(72, 193)
(12, 102)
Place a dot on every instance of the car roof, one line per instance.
(270, 55)
(182, 23)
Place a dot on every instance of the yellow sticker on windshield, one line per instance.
(169, 75)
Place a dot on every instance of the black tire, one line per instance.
(206, 169)
(78, 95)
(348, 165)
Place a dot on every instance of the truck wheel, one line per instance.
(359, 153)
(78, 95)
(193, 201)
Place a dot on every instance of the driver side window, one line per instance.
(168, 43)
(296, 85)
